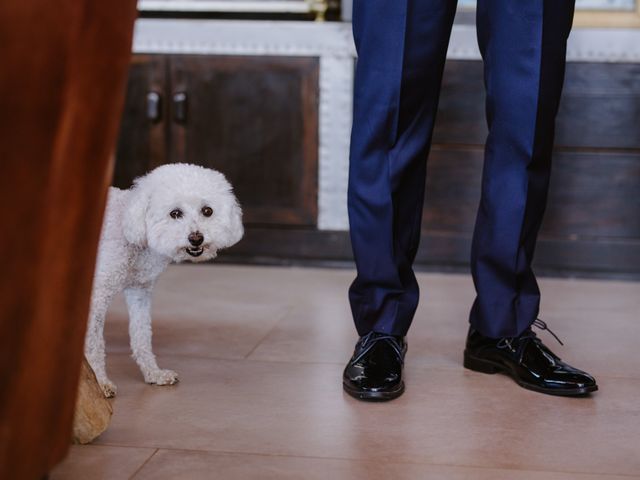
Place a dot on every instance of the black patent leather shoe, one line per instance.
(375, 371)
(528, 361)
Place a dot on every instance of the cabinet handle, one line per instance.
(180, 107)
(154, 106)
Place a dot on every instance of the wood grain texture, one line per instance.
(253, 118)
(591, 195)
(256, 120)
(142, 142)
(61, 91)
(600, 106)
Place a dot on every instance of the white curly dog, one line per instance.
(174, 213)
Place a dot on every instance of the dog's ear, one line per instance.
(234, 228)
(134, 223)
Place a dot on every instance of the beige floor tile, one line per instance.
(574, 295)
(176, 464)
(285, 401)
(319, 327)
(202, 311)
(447, 417)
(599, 326)
(90, 462)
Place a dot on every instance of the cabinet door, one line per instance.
(256, 120)
(142, 139)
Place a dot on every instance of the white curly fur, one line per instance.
(138, 241)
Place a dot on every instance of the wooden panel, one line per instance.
(600, 107)
(452, 190)
(142, 141)
(591, 194)
(614, 78)
(573, 257)
(592, 222)
(594, 195)
(256, 120)
(461, 110)
(599, 120)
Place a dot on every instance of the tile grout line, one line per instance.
(337, 363)
(143, 463)
(271, 330)
(345, 459)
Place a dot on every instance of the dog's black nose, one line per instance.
(196, 239)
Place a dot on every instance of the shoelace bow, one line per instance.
(528, 334)
(367, 342)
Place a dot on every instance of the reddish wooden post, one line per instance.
(62, 86)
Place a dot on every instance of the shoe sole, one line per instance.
(374, 396)
(489, 367)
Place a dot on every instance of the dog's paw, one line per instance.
(161, 377)
(108, 388)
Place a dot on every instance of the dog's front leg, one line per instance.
(94, 343)
(139, 304)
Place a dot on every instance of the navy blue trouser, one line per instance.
(401, 48)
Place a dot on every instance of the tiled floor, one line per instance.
(260, 353)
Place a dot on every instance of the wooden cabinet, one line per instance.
(143, 136)
(592, 222)
(257, 119)
(253, 118)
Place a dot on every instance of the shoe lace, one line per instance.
(543, 326)
(368, 341)
(529, 334)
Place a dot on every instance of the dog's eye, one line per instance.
(207, 211)
(176, 213)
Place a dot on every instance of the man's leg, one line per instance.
(401, 48)
(523, 44)
(401, 52)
